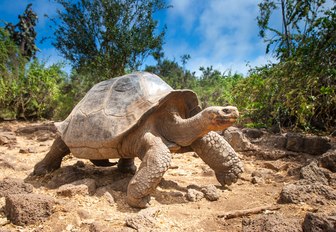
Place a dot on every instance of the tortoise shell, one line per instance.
(111, 108)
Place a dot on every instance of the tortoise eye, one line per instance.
(226, 111)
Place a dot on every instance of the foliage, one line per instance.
(175, 75)
(104, 38)
(11, 68)
(300, 19)
(23, 33)
(299, 91)
(212, 87)
(215, 88)
(33, 94)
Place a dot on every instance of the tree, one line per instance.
(299, 91)
(174, 74)
(108, 37)
(23, 33)
(299, 23)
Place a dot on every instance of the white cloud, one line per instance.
(185, 10)
(223, 34)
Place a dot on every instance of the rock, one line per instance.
(272, 154)
(83, 214)
(80, 187)
(14, 186)
(27, 150)
(257, 180)
(271, 223)
(316, 145)
(328, 160)
(314, 222)
(271, 166)
(7, 162)
(253, 133)
(276, 141)
(25, 209)
(237, 139)
(210, 193)
(65, 175)
(109, 198)
(145, 220)
(313, 145)
(194, 195)
(294, 142)
(261, 175)
(303, 191)
(99, 227)
(7, 137)
(39, 127)
(313, 174)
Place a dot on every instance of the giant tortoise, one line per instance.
(139, 115)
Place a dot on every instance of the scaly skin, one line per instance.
(155, 163)
(215, 151)
(53, 158)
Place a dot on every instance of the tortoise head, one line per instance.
(220, 118)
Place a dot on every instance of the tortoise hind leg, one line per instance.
(103, 163)
(53, 158)
(126, 165)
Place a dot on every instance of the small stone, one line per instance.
(7, 137)
(83, 214)
(237, 139)
(253, 133)
(109, 198)
(14, 186)
(80, 187)
(24, 150)
(313, 173)
(257, 180)
(328, 160)
(145, 220)
(79, 164)
(194, 195)
(210, 193)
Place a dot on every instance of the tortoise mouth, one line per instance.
(226, 119)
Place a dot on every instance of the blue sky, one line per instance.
(221, 33)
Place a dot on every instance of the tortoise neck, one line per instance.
(182, 131)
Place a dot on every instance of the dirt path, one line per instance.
(103, 208)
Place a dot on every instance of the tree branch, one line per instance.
(246, 212)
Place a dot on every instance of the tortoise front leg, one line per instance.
(155, 163)
(215, 151)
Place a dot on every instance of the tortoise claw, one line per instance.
(139, 202)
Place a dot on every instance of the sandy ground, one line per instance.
(169, 210)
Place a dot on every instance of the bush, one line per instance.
(27, 91)
(290, 94)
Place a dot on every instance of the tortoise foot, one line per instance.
(127, 166)
(42, 168)
(138, 202)
(226, 178)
